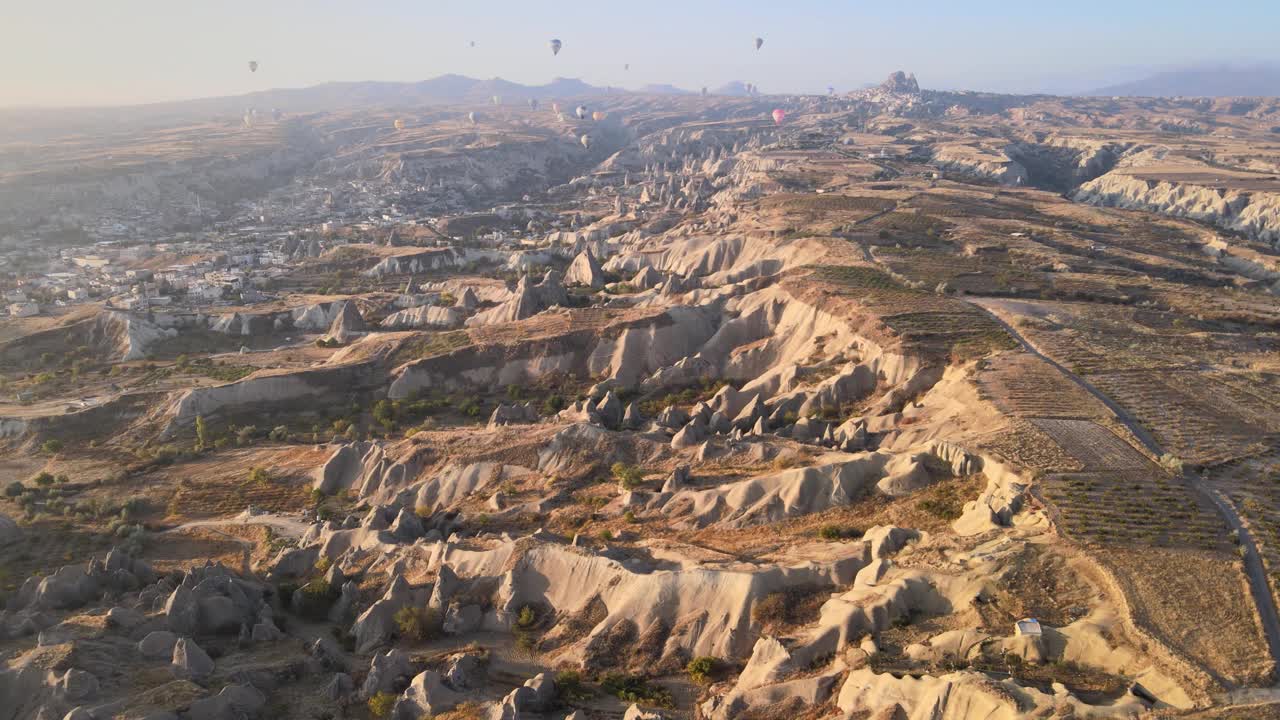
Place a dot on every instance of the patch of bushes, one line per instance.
(315, 599)
(380, 704)
(635, 689)
(789, 608)
(944, 504)
(51, 446)
(700, 669)
(838, 532)
(569, 687)
(628, 476)
(417, 624)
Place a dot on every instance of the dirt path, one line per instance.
(1254, 569)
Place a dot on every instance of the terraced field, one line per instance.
(1135, 508)
(1192, 421)
(1023, 385)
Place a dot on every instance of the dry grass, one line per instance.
(1198, 604)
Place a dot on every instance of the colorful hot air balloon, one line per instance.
(398, 124)
(472, 117)
(581, 112)
(555, 46)
(598, 115)
(759, 42)
(253, 66)
(779, 115)
(586, 141)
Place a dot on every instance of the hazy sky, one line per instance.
(61, 52)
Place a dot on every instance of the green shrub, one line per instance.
(246, 434)
(380, 704)
(552, 405)
(259, 476)
(569, 687)
(628, 476)
(837, 532)
(14, 489)
(700, 669)
(418, 624)
(315, 599)
(51, 446)
(527, 618)
(44, 479)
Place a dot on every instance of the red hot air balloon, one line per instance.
(779, 115)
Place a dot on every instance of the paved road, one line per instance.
(1254, 569)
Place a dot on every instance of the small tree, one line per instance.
(202, 434)
(51, 446)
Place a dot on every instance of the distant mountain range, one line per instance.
(1259, 81)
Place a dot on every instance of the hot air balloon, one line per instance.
(472, 117)
(555, 108)
(253, 66)
(759, 42)
(555, 46)
(586, 141)
(533, 103)
(779, 115)
(276, 114)
(398, 124)
(496, 100)
(598, 115)
(831, 90)
(581, 112)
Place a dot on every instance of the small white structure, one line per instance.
(1028, 626)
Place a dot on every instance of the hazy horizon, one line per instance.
(94, 54)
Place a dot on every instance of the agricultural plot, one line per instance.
(1147, 508)
(1253, 485)
(1192, 419)
(1028, 446)
(1096, 447)
(1023, 385)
